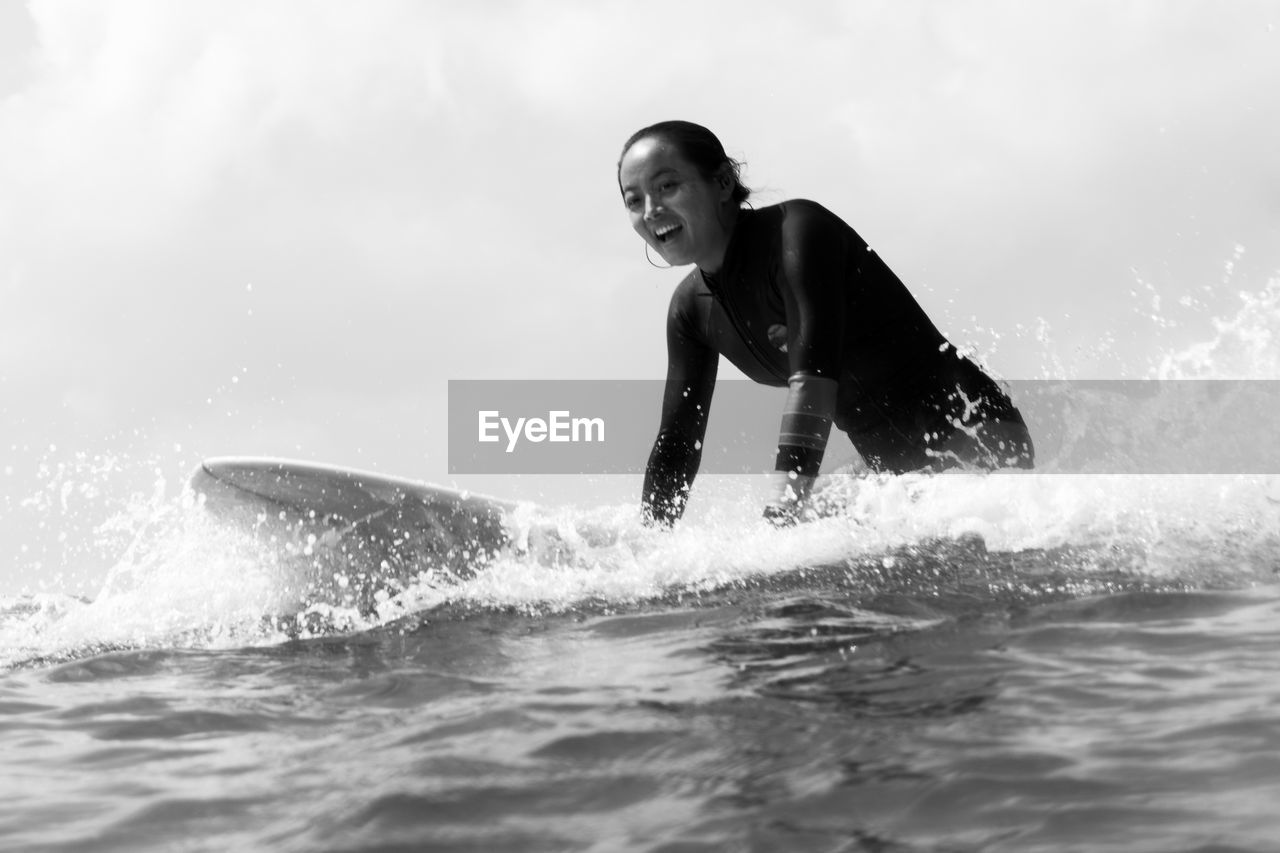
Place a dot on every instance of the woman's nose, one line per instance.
(651, 207)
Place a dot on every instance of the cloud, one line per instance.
(144, 109)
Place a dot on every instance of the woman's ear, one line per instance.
(724, 182)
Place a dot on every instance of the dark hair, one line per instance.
(697, 145)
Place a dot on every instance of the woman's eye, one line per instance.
(631, 202)
(667, 186)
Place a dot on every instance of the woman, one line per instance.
(793, 296)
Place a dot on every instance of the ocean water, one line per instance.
(1016, 662)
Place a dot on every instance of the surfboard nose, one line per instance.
(317, 491)
(323, 492)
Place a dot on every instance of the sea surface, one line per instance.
(1025, 661)
(956, 663)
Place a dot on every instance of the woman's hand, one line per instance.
(791, 495)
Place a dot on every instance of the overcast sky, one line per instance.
(279, 228)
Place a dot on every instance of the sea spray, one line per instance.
(1243, 346)
(178, 578)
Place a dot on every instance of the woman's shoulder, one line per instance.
(805, 206)
(802, 218)
(807, 210)
(796, 206)
(796, 211)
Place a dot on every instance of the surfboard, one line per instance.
(354, 530)
(327, 493)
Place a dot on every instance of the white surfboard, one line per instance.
(355, 530)
(326, 491)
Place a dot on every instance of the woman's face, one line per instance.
(673, 207)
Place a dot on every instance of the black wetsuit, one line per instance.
(795, 276)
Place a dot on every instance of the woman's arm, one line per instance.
(815, 248)
(686, 402)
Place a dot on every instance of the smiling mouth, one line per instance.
(666, 232)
